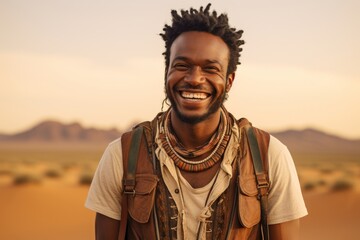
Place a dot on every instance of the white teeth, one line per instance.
(191, 95)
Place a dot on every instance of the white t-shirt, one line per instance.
(285, 198)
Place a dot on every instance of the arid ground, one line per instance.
(42, 194)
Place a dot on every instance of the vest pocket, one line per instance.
(140, 204)
(248, 203)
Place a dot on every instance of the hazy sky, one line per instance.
(100, 62)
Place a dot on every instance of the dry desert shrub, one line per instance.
(309, 186)
(85, 178)
(54, 172)
(342, 185)
(314, 184)
(26, 178)
(87, 173)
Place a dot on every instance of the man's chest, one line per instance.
(202, 178)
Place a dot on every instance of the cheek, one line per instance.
(169, 84)
(219, 84)
(171, 80)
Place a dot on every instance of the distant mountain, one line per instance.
(300, 141)
(313, 141)
(54, 131)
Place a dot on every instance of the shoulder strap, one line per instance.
(261, 179)
(132, 140)
(129, 178)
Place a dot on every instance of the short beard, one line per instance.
(197, 119)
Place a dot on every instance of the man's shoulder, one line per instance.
(262, 136)
(114, 147)
(115, 142)
(265, 137)
(276, 146)
(243, 122)
(272, 141)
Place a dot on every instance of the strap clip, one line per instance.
(130, 192)
(129, 187)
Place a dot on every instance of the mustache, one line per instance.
(187, 86)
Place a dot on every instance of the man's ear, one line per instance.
(229, 82)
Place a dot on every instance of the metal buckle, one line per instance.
(131, 192)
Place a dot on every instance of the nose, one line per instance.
(194, 76)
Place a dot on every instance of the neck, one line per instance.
(194, 135)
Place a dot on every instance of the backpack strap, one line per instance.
(129, 178)
(261, 179)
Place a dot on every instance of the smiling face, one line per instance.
(197, 79)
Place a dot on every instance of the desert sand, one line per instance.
(332, 216)
(43, 200)
(44, 213)
(56, 211)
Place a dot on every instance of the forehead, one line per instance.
(199, 46)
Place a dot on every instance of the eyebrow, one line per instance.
(187, 59)
(180, 58)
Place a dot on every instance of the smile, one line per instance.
(195, 96)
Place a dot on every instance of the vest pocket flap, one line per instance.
(249, 205)
(140, 204)
(248, 185)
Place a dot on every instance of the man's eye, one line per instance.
(181, 66)
(211, 69)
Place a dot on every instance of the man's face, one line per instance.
(197, 78)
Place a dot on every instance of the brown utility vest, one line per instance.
(152, 213)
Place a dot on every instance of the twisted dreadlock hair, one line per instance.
(203, 21)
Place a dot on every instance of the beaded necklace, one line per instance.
(197, 151)
(217, 144)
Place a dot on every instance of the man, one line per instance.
(195, 177)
